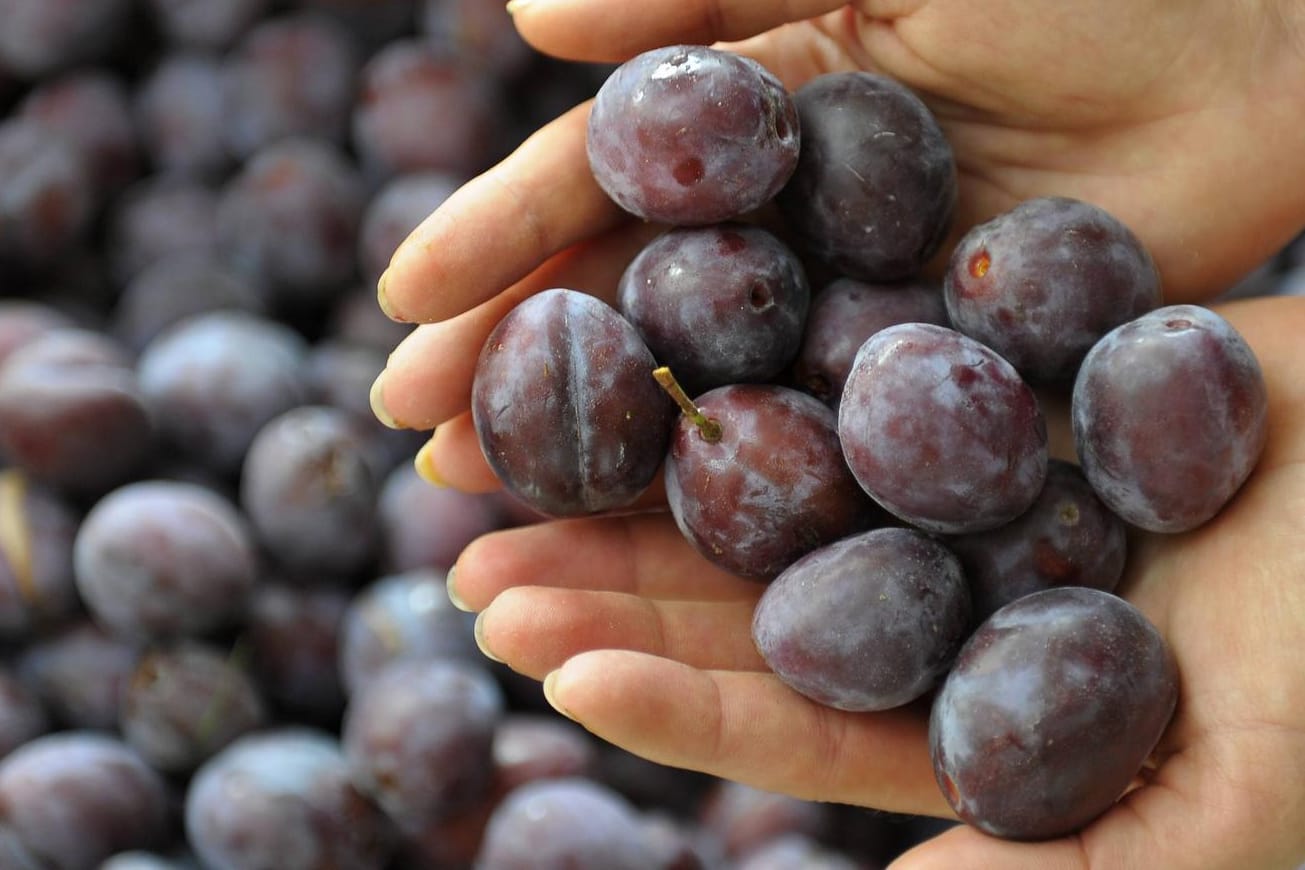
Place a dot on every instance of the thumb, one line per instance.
(600, 30)
(966, 848)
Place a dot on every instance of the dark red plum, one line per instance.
(91, 109)
(1051, 709)
(214, 380)
(419, 738)
(420, 110)
(22, 715)
(566, 408)
(1067, 538)
(555, 824)
(22, 320)
(160, 216)
(42, 37)
(206, 24)
(356, 319)
(183, 704)
(47, 195)
(843, 315)
(293, 638)
(1041, 283)
(744, 818)
(180, 115)
(1170, 417)
(176, 287)
(691, 135)
(73, 414)
(162, 559)
(942, 431)
(395, 211)
(297, 806)
(406, 617)
(310, 492)
(289, 221)
(424, 526)
(79, 672)
(291, 76)
(719, 305)
(533, 746)
(479, 32)
(770, 487)
(870, 622)
(874, 190)
(72, 799)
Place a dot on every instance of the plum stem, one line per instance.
(708, 428)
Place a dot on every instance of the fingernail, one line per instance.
(515, 6)
(479, 630)
(550, 695)
(453, 591)
(378, 403)
(424, 463)
(382, 299)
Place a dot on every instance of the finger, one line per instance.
(428, 377)
(534, 629)
(750, 728)
(453, 457)
(587, 29)
(500, 226)
(642, 554)
(963, 846)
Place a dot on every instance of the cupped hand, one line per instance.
(1179, 119)
(648, 646)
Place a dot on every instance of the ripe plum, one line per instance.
(1041, 283)
(293, 636)
(419, 738)
(37, 529)
(692, 135)
(91, 109)
(185, 703)
(1049, 711)
(310, 493)
(1170, 416)
(719, 305)
(567, 412)
(296, 806)
(870, 622)
(875, 185)
(47, 197)
(942, 431)
(761, 480)
(1067, 538)
(164, 559)
(180, 115)
(843, 315)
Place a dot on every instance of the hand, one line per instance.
(1181, 122)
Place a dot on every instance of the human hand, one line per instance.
(656, 643)
(649, 647)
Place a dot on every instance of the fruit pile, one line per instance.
(871, 445)
(227, 641)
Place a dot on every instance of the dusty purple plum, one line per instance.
(1067, 538)
(1170, 417)
(942, 431)
(843, 315)
(565, 405)
(1049, 711)
(870, 622)
(691, 135)
(1041, 283)
(875, 186)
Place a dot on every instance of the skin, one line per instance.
(1179, 118)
